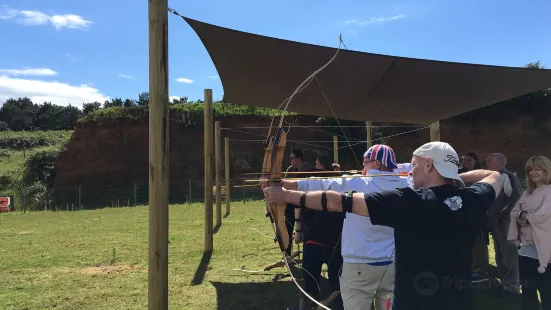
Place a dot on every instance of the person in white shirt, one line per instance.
(367, 274)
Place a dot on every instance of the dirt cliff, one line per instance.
(115, 152)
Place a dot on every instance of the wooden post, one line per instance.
(227, 173)
(208, 169)
(435, 131)
(135, 193)
(369, 136)
(158, 155)
(218, 164)
(335, 149)
(79, 207)
(190, 197)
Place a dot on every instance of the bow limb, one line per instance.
(271, 168)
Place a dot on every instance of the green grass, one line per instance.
(17, 146)
(98, 260)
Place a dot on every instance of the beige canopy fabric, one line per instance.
(263, 71)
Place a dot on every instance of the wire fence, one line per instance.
(79, 197)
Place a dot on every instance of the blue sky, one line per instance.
(79, 51)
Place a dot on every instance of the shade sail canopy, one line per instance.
(263, 71)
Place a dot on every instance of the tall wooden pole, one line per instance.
(158, 155)
(435, 131)
(218, 164)
(227, 187)
(335, 149)
(208, 169)
(369, 136)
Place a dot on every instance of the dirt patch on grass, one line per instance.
(104, 269)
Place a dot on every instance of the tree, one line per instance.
(143, 99)
(179, 100)
(88, 108)
(115, 102)
(128, 103)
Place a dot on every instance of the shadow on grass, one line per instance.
(488, 296)
(259, 295)
(280, 293)
(216, 228)
(201, 269)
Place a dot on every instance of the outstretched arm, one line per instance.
(483, 176)
(313, 200)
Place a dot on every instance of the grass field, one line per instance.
(98, 260)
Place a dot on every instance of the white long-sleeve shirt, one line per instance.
(362, 242)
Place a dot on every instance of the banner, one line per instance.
(6, 204)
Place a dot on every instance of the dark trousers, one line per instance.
(481, 260)
(290, 222)
(532, 281)
(314, 256)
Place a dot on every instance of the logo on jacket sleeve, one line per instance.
(455, 203)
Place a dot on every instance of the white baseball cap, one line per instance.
(444, 158)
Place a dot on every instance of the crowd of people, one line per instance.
(416, 235)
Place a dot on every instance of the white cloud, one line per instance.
(55, 92)
(37, 18)
(31, 71)
(214, 76)
(374, 20)
(184, 80)
(124, 76)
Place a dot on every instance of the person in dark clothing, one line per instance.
(320, 232)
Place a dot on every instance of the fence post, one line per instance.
(217, 163)
(243, 191)
(335, 149)
(79, 198)
(227, 173)
(208, 141)
(190, 197)
(135, 193)
(435, 131)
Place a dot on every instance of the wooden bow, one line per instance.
(271, 171)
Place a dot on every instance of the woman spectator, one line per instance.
(469, 161)
(531, 228)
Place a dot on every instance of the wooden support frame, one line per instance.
(217, 167)
(227, 188)
(335, 149)
(208, 128)
(158, 155)
(435, 131)
(369, 135)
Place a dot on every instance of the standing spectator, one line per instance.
(320, 232)
(531, 228)
(498, 223)
(470, 161)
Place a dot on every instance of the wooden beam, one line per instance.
(158, 155)
(435, 131)
(208, 169)
(227, 187)
(335, 149)
(218, 166)
(369, 136)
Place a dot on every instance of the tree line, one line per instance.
(23, 114)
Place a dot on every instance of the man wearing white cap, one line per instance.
(435, 225)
